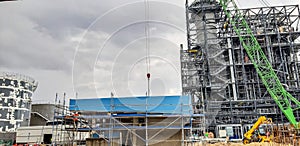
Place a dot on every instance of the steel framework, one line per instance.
(217, 71)
(131, 121)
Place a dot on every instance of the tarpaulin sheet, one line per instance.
(155, 104)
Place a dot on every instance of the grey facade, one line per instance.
(43, 113)
(217, 72)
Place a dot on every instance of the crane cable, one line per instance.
(147, 34)
(147, 64)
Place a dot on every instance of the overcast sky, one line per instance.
(95, 47)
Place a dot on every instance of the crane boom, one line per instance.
(286, 102)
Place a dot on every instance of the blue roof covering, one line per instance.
(156, 104)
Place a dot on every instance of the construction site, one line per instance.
(220, 76)
(240, 85)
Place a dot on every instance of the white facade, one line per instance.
(15, 100)
(32, 134)
(46, 134)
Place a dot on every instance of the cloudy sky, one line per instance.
(95, 47)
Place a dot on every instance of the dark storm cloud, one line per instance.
(36, 34)
(26, 48)
(122, 44)
(41, 38)
(55, 18)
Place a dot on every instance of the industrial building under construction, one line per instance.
(222, 88)
(225, 85)
(217, 72)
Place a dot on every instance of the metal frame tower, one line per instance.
(217, 72)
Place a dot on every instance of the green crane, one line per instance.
(286, 102)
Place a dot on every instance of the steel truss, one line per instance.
(217, 72)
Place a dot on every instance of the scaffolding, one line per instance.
(221, 89)
(148, 120)
(217, 73)
(66, 124)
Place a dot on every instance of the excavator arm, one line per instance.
(248, 135)
(286, 102)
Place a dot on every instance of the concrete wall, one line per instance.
(174, 140)
(37, 120)
(32, 134)
(37, 134)
(157, 137)
(96, 142)
(47, 110)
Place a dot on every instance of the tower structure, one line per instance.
(15, 100)
(217, 72)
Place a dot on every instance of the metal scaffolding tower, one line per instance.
(217, 72)
(156, 120)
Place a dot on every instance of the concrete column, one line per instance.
(134, 138)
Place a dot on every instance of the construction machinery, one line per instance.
(285, 101)
(260, 131)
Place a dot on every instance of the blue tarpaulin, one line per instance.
(155, 104)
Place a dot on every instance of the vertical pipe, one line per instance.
(148, 84)
(294, 68)
(55, 119)
(28, 138)
(280, 52)
(134, 137)
(111, 121)
(181, 67)
(146, 116)
(298, 59)
(64, 104)
(187, 23)
(231, 68)
(146, 120)
(120, 142)
(54, 111)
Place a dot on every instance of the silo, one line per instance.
(15, 100)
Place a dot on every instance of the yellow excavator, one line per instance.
(261, 131)
(287, 103)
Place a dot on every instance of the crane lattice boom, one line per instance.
(286, 102)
